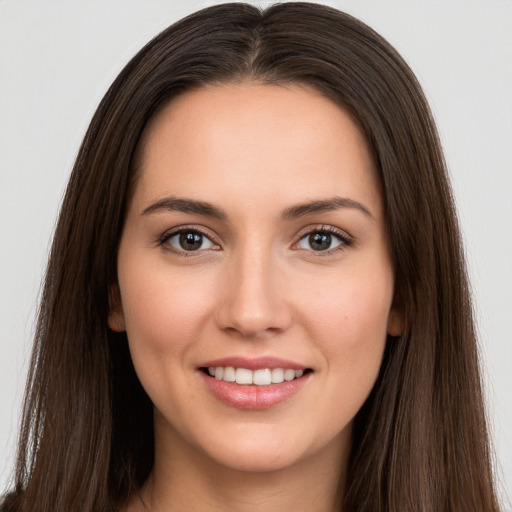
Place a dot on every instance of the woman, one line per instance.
(256, 297)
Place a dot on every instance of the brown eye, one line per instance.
(320, 241)
(189, 241)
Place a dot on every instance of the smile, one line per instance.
(259, 377)
(254, 383)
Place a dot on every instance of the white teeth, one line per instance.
(260, 377)
(277, 375)
(229, 374)
(289, 374)
(243, 376)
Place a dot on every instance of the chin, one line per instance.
(259, 459)
(266, 448)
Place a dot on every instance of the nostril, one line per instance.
(252, 312)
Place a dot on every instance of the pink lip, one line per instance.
(252, 396)
(254, 364)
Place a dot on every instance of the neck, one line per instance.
(185, 479)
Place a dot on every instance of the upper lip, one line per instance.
(254, 363)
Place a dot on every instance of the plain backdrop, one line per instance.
(58, 58)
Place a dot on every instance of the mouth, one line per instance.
(255, 384)
(256, 377)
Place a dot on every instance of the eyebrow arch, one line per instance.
(324, 205)
(177, 204)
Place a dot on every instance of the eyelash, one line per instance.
(344, 239)
(164, 239)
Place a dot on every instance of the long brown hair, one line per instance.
(420, 440)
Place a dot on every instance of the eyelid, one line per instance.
(346, 239)
(187, 228)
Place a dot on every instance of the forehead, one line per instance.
(250, 138)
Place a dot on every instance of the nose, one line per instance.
(252, 299)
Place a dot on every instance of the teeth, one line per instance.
(243, 376)
(229, 374)
(289, 374)
(261, 377)
(277, 375)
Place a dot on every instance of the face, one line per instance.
(255, 278)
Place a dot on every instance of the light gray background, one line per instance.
(58, 58)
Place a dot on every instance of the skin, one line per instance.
(255, 287)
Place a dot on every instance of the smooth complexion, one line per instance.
(256, 231)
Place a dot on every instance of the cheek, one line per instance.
(164, 314)
(163, 310)
(353, 302)
(348, 317)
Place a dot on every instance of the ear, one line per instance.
(396, 318)
(115, 316)
(395, 322)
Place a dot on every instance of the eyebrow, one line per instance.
(324, 205)
(178, 204)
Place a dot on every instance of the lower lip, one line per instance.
(252, 396)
